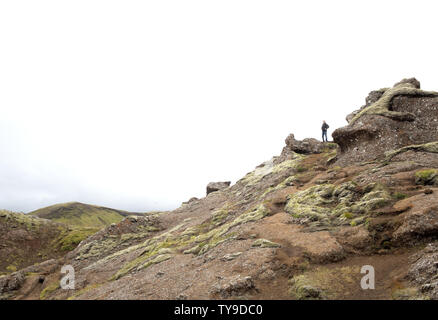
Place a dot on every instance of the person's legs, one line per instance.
(324, 134)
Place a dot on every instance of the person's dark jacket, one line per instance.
(324, 127)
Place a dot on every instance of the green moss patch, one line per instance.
(11, 268)
(323, 283)
(336, 205)
(263, 243)
(426, 177)
(69, 240)
(84, 290)
(399, 195)
(49, 289)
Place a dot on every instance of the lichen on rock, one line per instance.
(336, 205)
(427, 177)
(431, 147)
(383, 105)
(264, 243)
(303, 288)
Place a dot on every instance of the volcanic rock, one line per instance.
(393, 118)
(216, 186)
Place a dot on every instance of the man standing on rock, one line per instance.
(324, 128)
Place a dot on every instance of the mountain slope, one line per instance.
(26, 240)
(81, 215)
(299, 226)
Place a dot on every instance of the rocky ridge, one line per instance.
(299, 226)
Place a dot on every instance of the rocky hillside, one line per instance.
(26, 240)
(82, 215)
(299, 226)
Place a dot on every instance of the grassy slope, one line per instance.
(81, 215)
(26, 240)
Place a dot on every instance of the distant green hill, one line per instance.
(81, 215)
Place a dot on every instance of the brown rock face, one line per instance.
(306, 146)
(216, 186)
(392, 118)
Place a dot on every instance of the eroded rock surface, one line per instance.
(306, 146)
(216, 186)
(424, 271)
(391, 119)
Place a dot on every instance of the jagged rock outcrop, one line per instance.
(216, 186)
(392, 118)
(306, 146)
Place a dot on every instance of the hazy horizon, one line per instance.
(137, 106)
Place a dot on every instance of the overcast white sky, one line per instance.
(137, 105)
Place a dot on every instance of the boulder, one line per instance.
(216, 186)
(11, 282)
(306, 146)
(392, 118)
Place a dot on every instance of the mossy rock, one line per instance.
(96, 248)
(310, 203)
(267, 168)
(431, 147)
(159, 258)
(49, 289)
(330, 205)
(263, 243)
(348, 215)
(219, 217)
(399, 195)
(303, 288)
(382, 106)
(426, 177)
(69, 240)
(290, 164)
(323, 282)
(84, 290)
(11, 268)
(357, 221)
